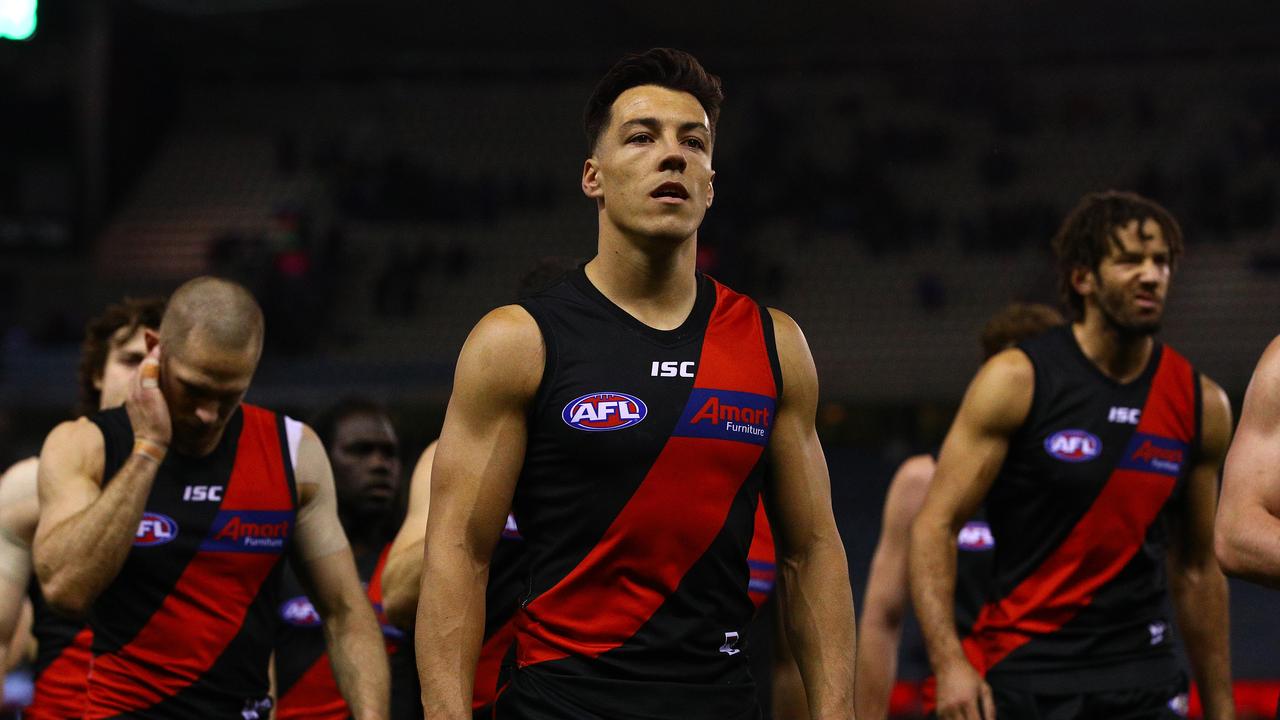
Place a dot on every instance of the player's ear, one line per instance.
(1083, 280)
(151, 338)
(711, 188)
(592, 186)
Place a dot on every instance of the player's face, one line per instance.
(204, 385)
(366, 464)
(124, 354)
(1133, 280)
(652, 165)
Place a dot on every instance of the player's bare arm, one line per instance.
(328, 571)
(476, 467)
(817, 601)
(1197, 585)
(402, 575)
(994, 406)
(85, 532)
(887, 598)
(1248, 529)
(19, 512)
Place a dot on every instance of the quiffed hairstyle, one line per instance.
(1017, 322)
(1088, 234)
(664, 67)
(100, 336)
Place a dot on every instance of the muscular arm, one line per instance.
(1247, 535)
(85, 532)
(402, 575)
(1198, 587)
(814, 590)
(328, 572)
(481, 451)
(19, 512)
(886, 600)
(994, 406)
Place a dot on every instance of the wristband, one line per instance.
(150, 449)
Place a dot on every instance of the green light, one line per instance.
(17, 19)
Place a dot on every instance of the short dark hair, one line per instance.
(1088, 234)
(326, 422)
(1016, 322)
(664, 67)
(99, 337)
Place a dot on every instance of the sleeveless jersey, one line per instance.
(305, 682)
(185, 630)
(637, 500)
(61, 672)
(507, 581)
(1081, 507)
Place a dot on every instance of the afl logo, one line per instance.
(1073, 446)
(976, 536)
(155, 529)
(599, 412)
(299, 612)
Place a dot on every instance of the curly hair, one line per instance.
(1017, 322)
(1088, 234)
(664, 67)
(103, 333)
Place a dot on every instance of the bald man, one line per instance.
(169, 518)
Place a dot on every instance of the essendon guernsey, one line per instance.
(1081, 508)
(305, 683)
(185, 630)
(636, 501)
(61, 672)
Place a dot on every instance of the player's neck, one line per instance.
(1120, 356)
(364, 533)
(652, 280)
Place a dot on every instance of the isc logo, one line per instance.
(672, 369)
(202, 493)
(155, 529)
(299, 612)
(598, 412)
(976, 536)
(1129, 416)
(1073, 445)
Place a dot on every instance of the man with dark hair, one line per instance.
(109, 357)
(364, 451)
(1095, 451)
(626, 415)
(168, 519)
(885, 602)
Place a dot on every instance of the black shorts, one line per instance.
(1156, 702)
(531, 695)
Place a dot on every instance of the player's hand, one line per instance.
(148, 412)
(963, 694)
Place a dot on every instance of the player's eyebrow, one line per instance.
(654, 123)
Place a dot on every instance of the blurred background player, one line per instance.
(112, 350)
(364, 451)
(1096, 449)
(886, 600)
(168, 519)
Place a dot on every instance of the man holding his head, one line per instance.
(169, 518)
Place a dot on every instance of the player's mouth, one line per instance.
(1145, 301)
(672, 193)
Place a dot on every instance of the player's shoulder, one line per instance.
(1267, 372)
(79, 434)
(19, 481)
(510, 327)
(1009, 368)
(786, 331)
(911, 482)
(505, 351)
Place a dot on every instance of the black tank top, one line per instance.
(185, 630)
(1081, 508)
(637, 502)
(305, 683)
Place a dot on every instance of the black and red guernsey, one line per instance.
(305, 682)
(1082, 509)
(185, 630)
(61, 672)
(506, 588)
(637, 499)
